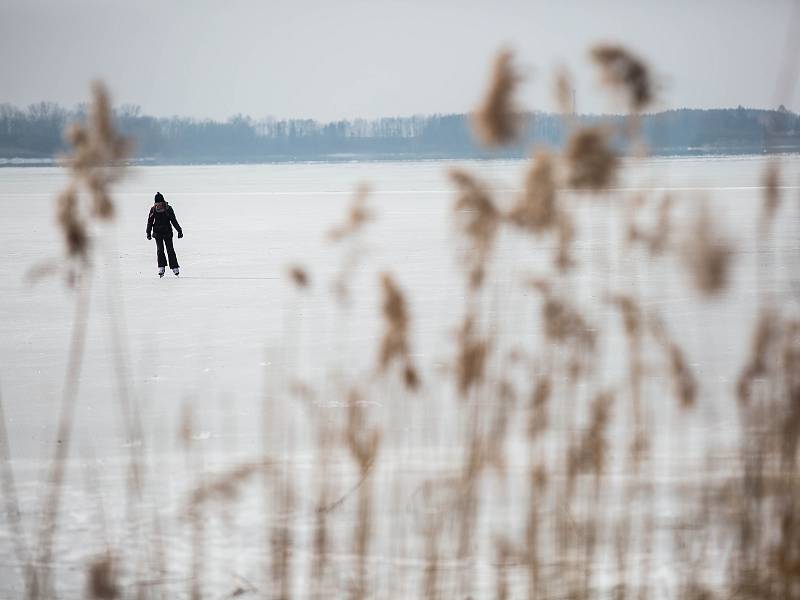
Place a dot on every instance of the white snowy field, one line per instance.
(209, 356)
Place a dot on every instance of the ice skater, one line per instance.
(159, 224)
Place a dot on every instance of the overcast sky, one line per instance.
(330, 59)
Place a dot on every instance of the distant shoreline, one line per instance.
(342, 159)
(35, 136)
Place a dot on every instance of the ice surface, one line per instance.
(219, 340)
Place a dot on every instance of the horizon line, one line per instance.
(81, 106)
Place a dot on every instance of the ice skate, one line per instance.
(177, 271)
(160, 272)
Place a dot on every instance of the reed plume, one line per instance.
(591, 163)
(535, 209)
(762, 344)
(566, 235)
(95, 163)
(299, 277)
(538, 415)
(563, 323)
(497, 119)
(478, 219)
(684, 382)
(657, 238)
(99, 153)
(358, 215)
(351, 231)
(472, 351)
(626, 72)
(590, 452)
(102, 579)
(72, 224)
(563, 89)
(772, 197)
(394, 344)
(707, 255)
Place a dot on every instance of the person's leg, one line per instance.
(173, 260)
(162, 260)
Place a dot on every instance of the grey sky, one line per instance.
(329, 59)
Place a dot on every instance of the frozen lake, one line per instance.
(212, 352)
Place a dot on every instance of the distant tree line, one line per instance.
(37, 132)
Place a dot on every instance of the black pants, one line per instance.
(162, 260)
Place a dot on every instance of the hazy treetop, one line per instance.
(329, 60)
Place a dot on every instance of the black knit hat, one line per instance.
(159, 197)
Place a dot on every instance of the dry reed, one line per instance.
(762, 344)
(657, 238)
(299, 277)
(538, 411)
(102, 581)
(591, 162)
(590, 452)
(771, 183)
(535, 208)
(707, 255)
(359, 214)
(478, 219)
(96, 162)
(350, 232)
(497, 120)
(564, 92)
(551, 403)
(471, 362)
(395, 345)
(626, 72)
(362, 442)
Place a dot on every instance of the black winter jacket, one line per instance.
(160, 223)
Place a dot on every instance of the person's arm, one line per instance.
(174, 221)
(150, 218)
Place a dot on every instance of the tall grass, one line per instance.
(544, 481)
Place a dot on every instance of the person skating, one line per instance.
(159, 225)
